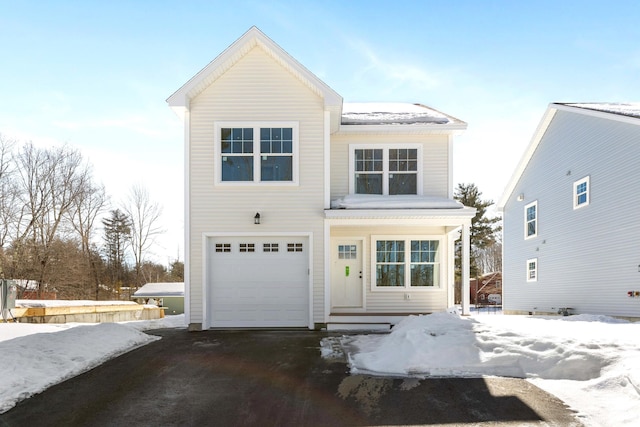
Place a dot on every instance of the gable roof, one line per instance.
(624, 112)
(179, 100)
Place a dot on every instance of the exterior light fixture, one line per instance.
(520, 197)
(256, 219)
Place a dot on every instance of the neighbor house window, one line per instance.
(581, 193)
(531, 220)
(532, 270)
(262, 153)
(402, 263)
(385, 170)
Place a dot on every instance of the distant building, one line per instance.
(169, 296)
(571, 236)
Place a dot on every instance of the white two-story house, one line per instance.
(571, 235)
(304, 211)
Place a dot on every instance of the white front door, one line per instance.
(346, 274)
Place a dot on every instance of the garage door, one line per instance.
(259, 281)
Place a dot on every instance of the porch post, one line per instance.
(465, 269)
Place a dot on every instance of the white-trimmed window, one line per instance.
(256, 153)
(581, 193)
(531, 220)
(406, 263)
(532, 270)
(385, 169)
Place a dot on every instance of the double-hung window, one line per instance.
(531, 220)
(581, 193)
(249, 153)
(402, 263)
(386, 170)
(532, 270)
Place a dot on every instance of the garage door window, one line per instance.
(247, 247)
(270, 247)
(294, 247)
(223, 247)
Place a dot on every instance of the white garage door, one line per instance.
(259, 281)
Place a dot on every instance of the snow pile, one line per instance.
(400, 201)
(36, 356)
(390, 113)
(589, 362)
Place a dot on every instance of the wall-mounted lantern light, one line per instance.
(256, 219)
(520, 197)
(638, 268)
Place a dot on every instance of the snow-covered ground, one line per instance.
(589, 362)
(34, 357)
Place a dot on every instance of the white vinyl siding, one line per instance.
(259, 90)
(588, 257)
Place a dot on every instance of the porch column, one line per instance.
(465, 269)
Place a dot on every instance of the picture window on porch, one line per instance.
(393, 258)
(385, 170)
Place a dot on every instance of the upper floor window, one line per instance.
(531, 220)
(261, 153)
(385, 170)
(581, 193)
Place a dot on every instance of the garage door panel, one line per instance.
(264, 288)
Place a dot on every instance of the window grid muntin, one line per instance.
(425, 263)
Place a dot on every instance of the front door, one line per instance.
(346, 274)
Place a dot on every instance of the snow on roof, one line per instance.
(403, 201)
(393, 113)
(168, 289)
(631, 109)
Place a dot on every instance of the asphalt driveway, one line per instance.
(272, 378)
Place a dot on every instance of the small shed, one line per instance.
(169, 295)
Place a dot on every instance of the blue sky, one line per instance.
(96, 75)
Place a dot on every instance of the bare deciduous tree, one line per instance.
(145, 216)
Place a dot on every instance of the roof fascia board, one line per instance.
(454, 128)
(253, 37)
(598, 113)
(524, 161)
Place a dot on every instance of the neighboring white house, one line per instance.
(302, 211)
(169, 295)
(571, 214)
